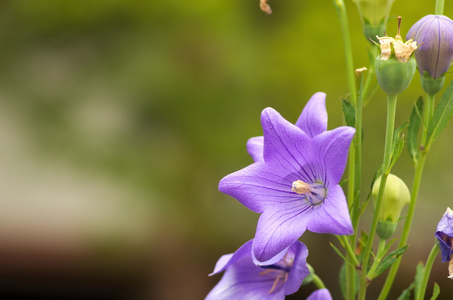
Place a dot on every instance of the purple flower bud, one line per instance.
(434, 35)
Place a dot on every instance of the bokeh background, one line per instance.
(118, 119)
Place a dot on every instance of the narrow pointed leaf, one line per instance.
(342, 280)
(389, 260)
(349, 113)
(436, 292)
(341, 254)
(419, 272)
(413, 128)
(442, 115)
(398, 145)
(406, 294)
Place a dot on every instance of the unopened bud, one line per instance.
(396, 196)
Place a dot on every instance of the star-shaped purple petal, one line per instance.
(295, 186)
(245, 280)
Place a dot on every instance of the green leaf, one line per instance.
(436, 292)
(342, 280)
(419, 272)
(389, 260)
(398, 145)
(341, 254)
(442, 115)
(349, 113)
(413, 129)
(406, 294)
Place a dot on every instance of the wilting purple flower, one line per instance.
(444, 234)
(294, 182)
(322, 294)
(434, 35)
(245, 280)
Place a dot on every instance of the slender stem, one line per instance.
(439, 10)
(414, 195)
(350, 71)
(429, 264)
(380, 254)
(391, 111)
(345, 242)
(318, 282)
(370, 79)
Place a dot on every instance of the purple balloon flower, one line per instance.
(294, 180)
(245, 280)
(322, 294)
(444, 234)
(434, 34)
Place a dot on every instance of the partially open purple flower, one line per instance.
(434, 35)
(245, 280)
(444, 234)
(295, 184)
(322, 294)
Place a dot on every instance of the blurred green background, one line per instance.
(118, 119)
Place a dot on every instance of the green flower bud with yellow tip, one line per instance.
(396, 196)
(395, 66)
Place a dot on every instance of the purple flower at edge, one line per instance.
(294, 182)
(245, 280)
(322, 294)
(434, 34)
(444, 234)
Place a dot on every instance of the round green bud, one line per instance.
(394, 76)
(432, 85)
(396, 196)
(385, 229)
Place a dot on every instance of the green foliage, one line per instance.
(436, 292)
(389, 260)
(413, 129)
(398, 145)
(349, 113)
(442, 116)
(419, 272)
(406, 294)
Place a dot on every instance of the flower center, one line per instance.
(314, 193)
(280, 269)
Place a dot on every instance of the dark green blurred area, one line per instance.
(118, 119)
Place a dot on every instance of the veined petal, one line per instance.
(244, 280)
(226, 260)
(299, 269)
(331, 216)
(322, 294)
(313, 119)
(331, 152)
(285, 145)
(260, 185)
(255, 148)
(279, 227)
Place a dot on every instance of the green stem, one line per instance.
(429, 264)
(318, 282)
(380, 254)
(439, 10)
(414, 195)
(371, 78)
(391, 111)
(350, 71)
(344, 241)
